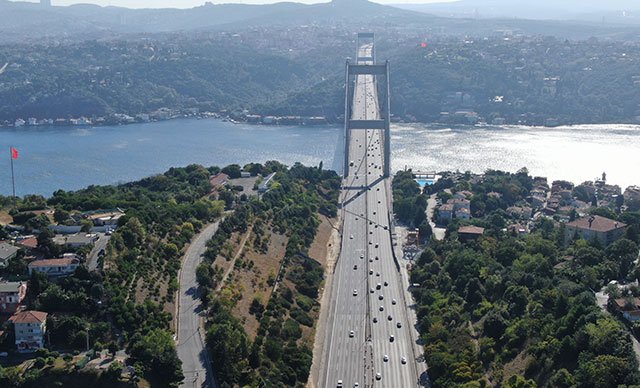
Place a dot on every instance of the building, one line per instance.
(445, 213)
(470, 232)
(218, 180)
(264, 186)
(11, 295)
(75, 240)
(30, 328)
(104, 217)
(591, 228)
(628, 308)
(64, 266)
(7, 252)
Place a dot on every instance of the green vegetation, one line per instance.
(127, 304)
(279, 355)
(519, 311)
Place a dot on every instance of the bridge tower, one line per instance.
(366, 65)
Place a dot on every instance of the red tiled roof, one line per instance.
(597, 223)
(29, 316)
(30, 242)
(471, 229)
(54, 262)
(219, 179)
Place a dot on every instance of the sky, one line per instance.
(194, 3)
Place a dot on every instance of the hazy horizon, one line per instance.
(195, 3)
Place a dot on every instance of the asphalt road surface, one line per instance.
(367, 329)
(190, 338)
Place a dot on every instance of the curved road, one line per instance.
(190, 335)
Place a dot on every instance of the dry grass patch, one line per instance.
(255, 272)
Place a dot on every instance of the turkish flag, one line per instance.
(14, 153)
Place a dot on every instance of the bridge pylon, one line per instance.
(380, 73)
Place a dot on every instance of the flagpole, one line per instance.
(13, 179)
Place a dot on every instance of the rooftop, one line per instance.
(597, 223)
(29, 316)
(470, 229)
(54, 262)
(7, 250)
(10, 286)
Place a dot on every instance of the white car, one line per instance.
(385, 358)
(351, 334)
(355, 292)
(393, 301)
(351, 237)
(378, 376)
(403, 360)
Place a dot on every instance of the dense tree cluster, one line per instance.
(519, 311)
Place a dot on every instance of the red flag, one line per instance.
(423, 45)
(14, 153)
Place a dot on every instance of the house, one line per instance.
(470, 232)
(218, 180)
(64, 266)
(30, 328)
(460, 204)
(463, 213)
(75, 240)
(104, 217)
(7, 252)
(518, 229)
(523, 212)
(28, 242)
(629, 308)
(445, 213)
(602, 229)
(11, 295)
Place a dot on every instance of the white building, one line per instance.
(30, 328)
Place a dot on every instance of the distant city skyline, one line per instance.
(195, 3)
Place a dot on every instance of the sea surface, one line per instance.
(70, 158)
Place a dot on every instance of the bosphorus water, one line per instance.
(70, 158)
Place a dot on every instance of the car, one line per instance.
(339, 384)
(374, 213)
(4, 354)
(376, 245)
(386, 284)
(356, 385)
(371, 260)
(377, 273)
(381, 308)
(399, 325)
(392, 338)
(351, 237)
(385, 358)
(355, 266)
(377, 258)
(389, 318)
(375, 320)
(351, 334)
(370, 272)
(378, 286)
(403, 360)
(393, 301)
(378, 376)
(380, 297)
(362, 256)
(355, 292)
(372, 290)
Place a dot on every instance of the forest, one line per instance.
(516, 310)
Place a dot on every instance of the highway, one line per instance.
(367, 328)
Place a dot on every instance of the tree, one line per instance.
(86, 226)
(156, 351)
